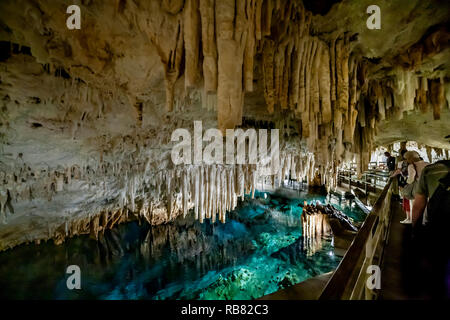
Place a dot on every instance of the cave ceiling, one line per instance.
(108, 95)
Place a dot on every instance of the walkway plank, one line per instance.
(399, 273)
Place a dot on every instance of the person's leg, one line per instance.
(425, 217)
(404, 209)
(411, 203)
(407, 209)
(394, 185)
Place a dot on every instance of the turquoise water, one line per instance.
(259, 250)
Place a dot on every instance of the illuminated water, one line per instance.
(257, 252)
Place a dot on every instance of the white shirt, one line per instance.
(412, 173)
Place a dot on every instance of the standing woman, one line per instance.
(415, 168)
(401, 174)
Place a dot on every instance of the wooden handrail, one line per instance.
(343, 279)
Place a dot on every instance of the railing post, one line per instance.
(350, 180)
(365, 184)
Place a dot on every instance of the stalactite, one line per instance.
(296, 64)
(268, 71)
(422, 95)
(333, 72)
(172, 72)
(138, 107)
(352, 112)
(209, 46)
(250, 45)
(284, 95)
(308, 75)
(231, 40)
(192, 29)
(342, 56)
(267, 17)
(429, 154)
(302, 81)
(315, 67)
(437, 97)
(325, 84)
(404, 90)
(278, 70)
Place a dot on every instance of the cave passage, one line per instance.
(162, 149)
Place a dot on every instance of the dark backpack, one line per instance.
(404, 169)
(438, 208)
(391, 163)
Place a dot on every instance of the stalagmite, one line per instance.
(258, 19)
(315, 225)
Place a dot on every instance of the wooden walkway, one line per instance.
(401, 278)
(405, 275)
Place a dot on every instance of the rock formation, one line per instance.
(87, 115)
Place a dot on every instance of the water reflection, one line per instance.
(258, 251)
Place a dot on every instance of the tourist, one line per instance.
(400, 175)
(432, 209)
(415, 168)
(390, 163)
(427, 185)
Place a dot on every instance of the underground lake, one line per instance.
(258, 251)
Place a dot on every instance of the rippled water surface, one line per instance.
(259, 250)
